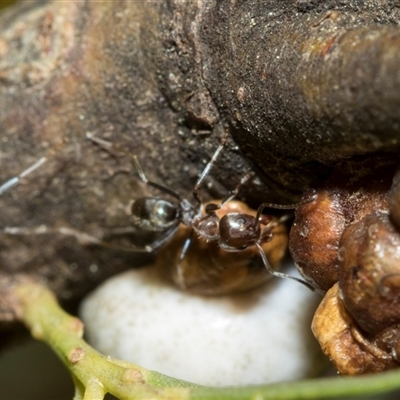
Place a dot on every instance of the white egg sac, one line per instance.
(256, 337)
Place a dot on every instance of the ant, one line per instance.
(234, 232)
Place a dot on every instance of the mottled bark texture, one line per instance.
(306, 87)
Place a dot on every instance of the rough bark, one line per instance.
(307, 88)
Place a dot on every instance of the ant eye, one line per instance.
(154, 214)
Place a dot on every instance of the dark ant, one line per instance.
(234, 232)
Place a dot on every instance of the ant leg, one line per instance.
(105, 144)
(282, 206)
(207, 168)
(147, 248)
(113, 147)
(234, 192)
(82, 238)
(280, 274)
(211, 207)
(266, 234)
(16, 179)
(186, 246)
(153, 184)
(179, 271)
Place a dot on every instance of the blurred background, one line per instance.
(29, 370)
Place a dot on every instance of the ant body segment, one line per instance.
(233, 232)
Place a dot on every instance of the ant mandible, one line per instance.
(234, 232)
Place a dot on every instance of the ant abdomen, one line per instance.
(154, 214)
(209, 269)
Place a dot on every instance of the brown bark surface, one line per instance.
(306, 88)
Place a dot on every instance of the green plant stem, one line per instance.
(95, 375)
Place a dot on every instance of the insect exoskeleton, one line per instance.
(208, 269)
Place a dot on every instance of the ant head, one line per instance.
(238, 231)
(154, 214)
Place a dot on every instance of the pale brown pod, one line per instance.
(314, 239)
(209, 270)
(343, 342)
(370, 272)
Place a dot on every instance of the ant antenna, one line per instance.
(110, 147)
(235, 191)
(211, 207)
(153, 184)
(282, 206)
(206, 170)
